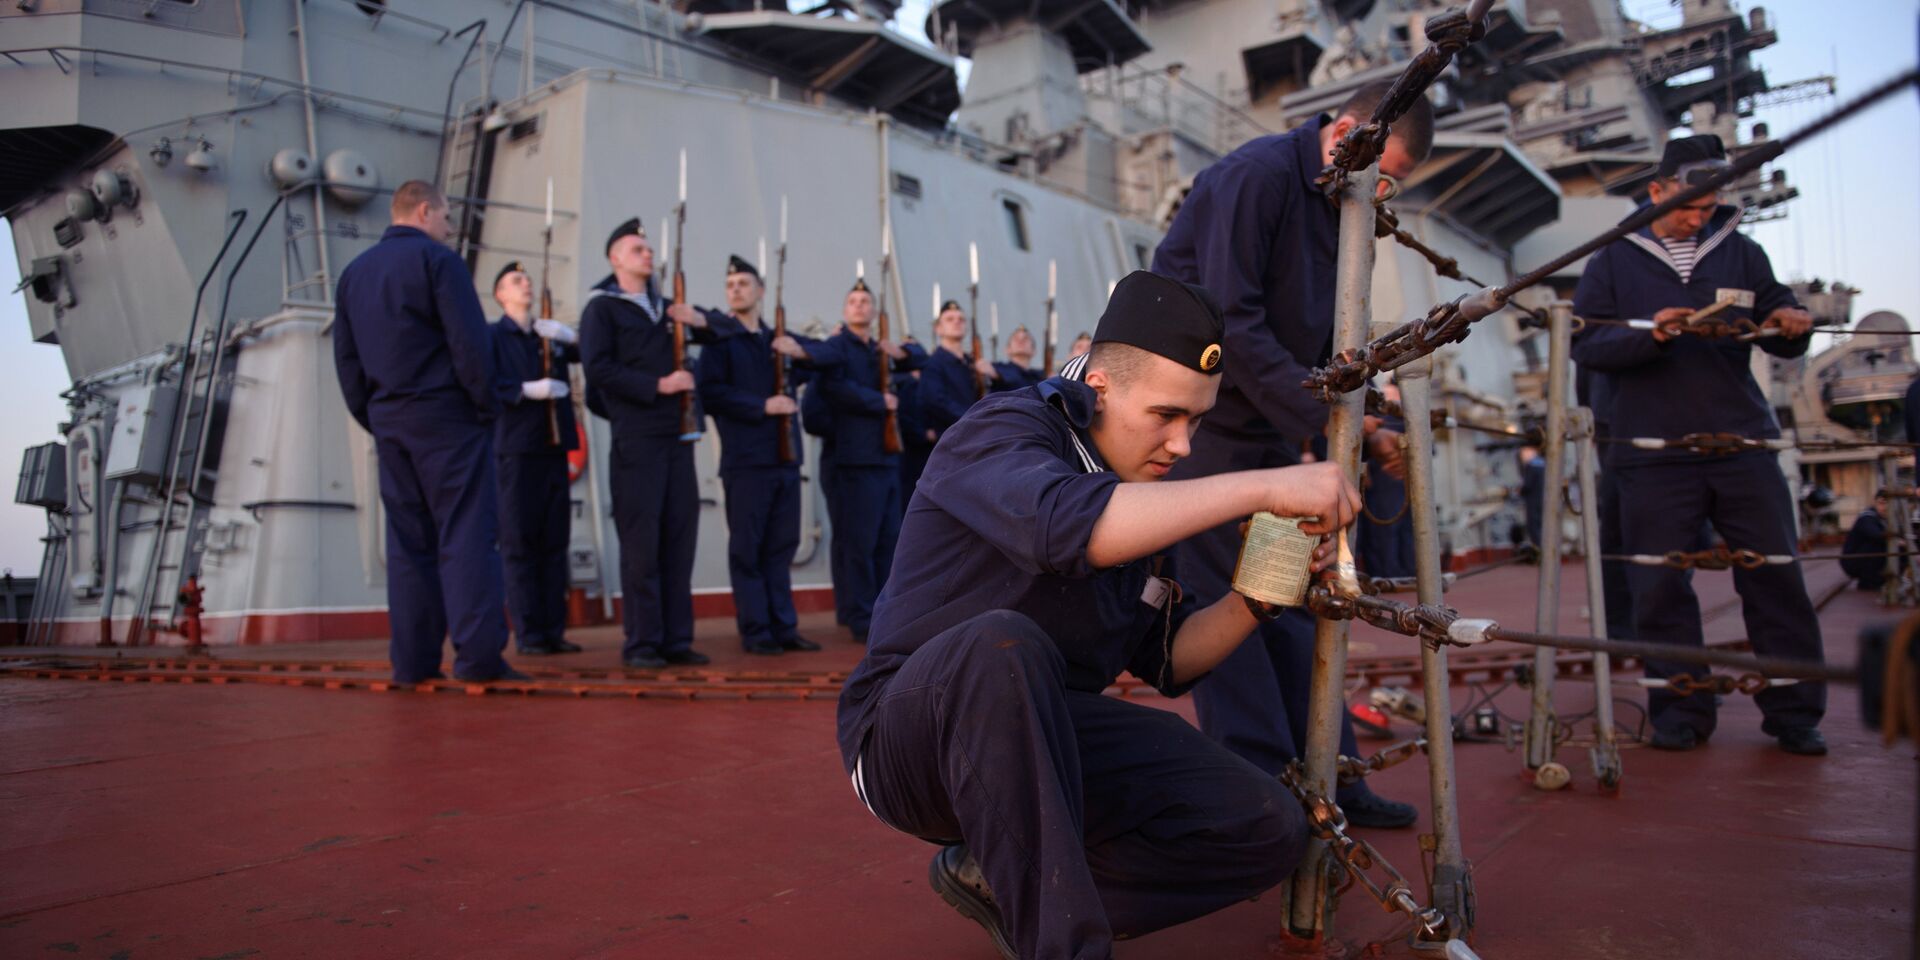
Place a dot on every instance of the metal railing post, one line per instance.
(1451, 890)
(1311, 892)
(1606, 752)
(1541, 724)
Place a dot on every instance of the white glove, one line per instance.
(555, 330)
(545, 389)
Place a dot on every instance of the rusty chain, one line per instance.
(1721, 444)
(1437, 624)
(1721, 683)
(1447, 34)
(1355, 769)
(1451, 321)
(1361, 860)
(1725, 558)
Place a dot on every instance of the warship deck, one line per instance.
(248, 819)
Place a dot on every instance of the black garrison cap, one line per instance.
(513, 266)
(1688, 151)
(859, 286)
(950, 305)
(631, 228)
(737, 264)
(1164, 316)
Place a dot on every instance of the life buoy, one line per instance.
(577, 457)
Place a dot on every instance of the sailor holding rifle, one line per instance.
(759, 468)
(532, 437)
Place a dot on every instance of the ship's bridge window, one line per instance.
(1016, 223)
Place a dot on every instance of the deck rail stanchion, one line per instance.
(1542, 728)
(1311, 891)
(1450, 889)
(1606, 751)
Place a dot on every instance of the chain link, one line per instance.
(1450, 322)
(1722, 683)
(1361, 860)
(1447, 34)
(1354, 769)
(1715, 558)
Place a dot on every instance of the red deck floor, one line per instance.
(166, 820)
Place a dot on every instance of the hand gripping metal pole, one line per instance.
(1549, 774)
(1451, 890)
(1606, 753)
(1311, 892)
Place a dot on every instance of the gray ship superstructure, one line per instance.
(184, 182)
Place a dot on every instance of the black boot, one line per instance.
(955, 876)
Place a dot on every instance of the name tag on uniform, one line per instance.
(1157, 592)
(1734, 298)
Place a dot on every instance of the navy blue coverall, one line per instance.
(977, 713)
(536, 501)
(736, 375)
(1259, 236)
(1386, 549)
(913, 433)
(415, 362)
(1592, 390)
(946, 389)
(627, 346)
(1687, 385)
(817, 419)
(1013, 377)
(865, 485)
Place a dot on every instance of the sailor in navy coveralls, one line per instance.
(1259, 234)
(1069, 819)
(415, 363)
(1666, 383)
(1017, 369)
(947, 389)
(627, 349)
(531, 439)
(865, 487)
(763, 494)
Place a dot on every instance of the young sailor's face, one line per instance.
(858, 311)
(952, 325)
(632, 255)
(1144, 422)
(514, 291)
(743, 292)
(1020, 347)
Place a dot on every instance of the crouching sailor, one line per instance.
(1067, 818)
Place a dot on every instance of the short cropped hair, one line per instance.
(1414, 129)
(412, 194)
(1123, 362)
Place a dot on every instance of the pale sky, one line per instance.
(1857, 219)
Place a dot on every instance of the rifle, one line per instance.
(780, 385)
(546, 313)
(973, 320)
(689, 422)
(1053, 320)
(890, 428)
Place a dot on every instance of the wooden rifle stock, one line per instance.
(973, 327)
(546, 365)
(780, 386)
(689, 423)
(890, 428)
(1046, 365)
